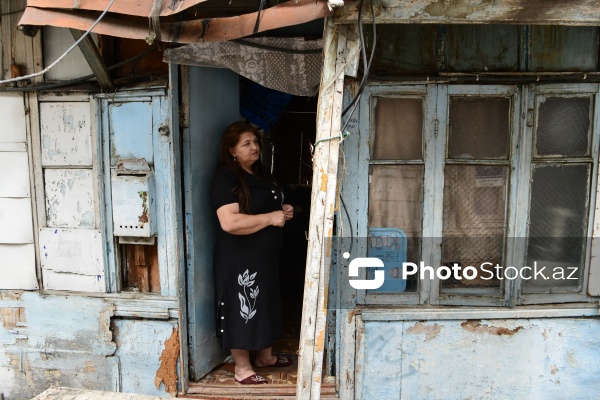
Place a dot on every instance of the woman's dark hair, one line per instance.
(230, 139)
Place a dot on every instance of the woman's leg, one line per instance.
(243, 368)
(265, 357)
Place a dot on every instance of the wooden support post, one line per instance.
(313, 333)
(95, 61)
(139, 255)
(20, 55)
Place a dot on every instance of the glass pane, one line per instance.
(471, 48)
(395, 201)
(563, 48)
(398, 129)
(558, 218)
(563, 126)
(474, 223)
(403, 49)
(479, 127)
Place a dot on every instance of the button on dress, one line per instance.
(247, 269)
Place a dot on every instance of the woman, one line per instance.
(250, 209)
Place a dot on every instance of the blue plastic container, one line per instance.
(389, 245)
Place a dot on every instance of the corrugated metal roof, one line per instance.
(195, 31)
(140, 8)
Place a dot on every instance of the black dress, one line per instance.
(247, 270)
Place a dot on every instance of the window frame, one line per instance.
(523, 112)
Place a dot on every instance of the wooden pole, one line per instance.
(324, 185)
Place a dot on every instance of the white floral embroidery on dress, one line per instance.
(248, 308)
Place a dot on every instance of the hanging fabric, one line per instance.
(283, 64)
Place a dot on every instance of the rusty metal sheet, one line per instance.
(140, 8)
(197, 31)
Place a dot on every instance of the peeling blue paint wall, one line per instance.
(55, 340)
(481, 359)
(140, 344)
(76, 341)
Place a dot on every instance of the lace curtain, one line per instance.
(288, 72)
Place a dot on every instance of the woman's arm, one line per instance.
(236, 223)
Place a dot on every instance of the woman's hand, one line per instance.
(288, 211)
(236, 223)
(278, 218)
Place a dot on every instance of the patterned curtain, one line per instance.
(286, 71)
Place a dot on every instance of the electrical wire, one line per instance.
(349, 223)
(57, 85)
(367, 65)
(261, 5)
(20, 78)
(354, 103)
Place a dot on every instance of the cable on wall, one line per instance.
(21, 78)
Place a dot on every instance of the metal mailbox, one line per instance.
(132, 185)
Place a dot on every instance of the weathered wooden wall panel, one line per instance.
(519, 358)
(594, 275)
(544, 12)
(17, 253)
(55, 340)
(131, 131)
(136, 125)
(21, 55)
(66, 135)
(15, 220)
(17, 266)
(14, 174)
(72, 259)
(69, 198)
(140, 346)
(12, 115)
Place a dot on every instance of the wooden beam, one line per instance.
(21, 55)
(533, 12)
(95, 61)
(324, 191)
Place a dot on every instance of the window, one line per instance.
(482, 179)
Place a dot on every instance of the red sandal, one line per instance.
(253, 379)
(282, 361)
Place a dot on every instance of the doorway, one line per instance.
(215, 96)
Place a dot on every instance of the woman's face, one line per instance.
(247, 150)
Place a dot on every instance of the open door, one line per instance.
(213, 103)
